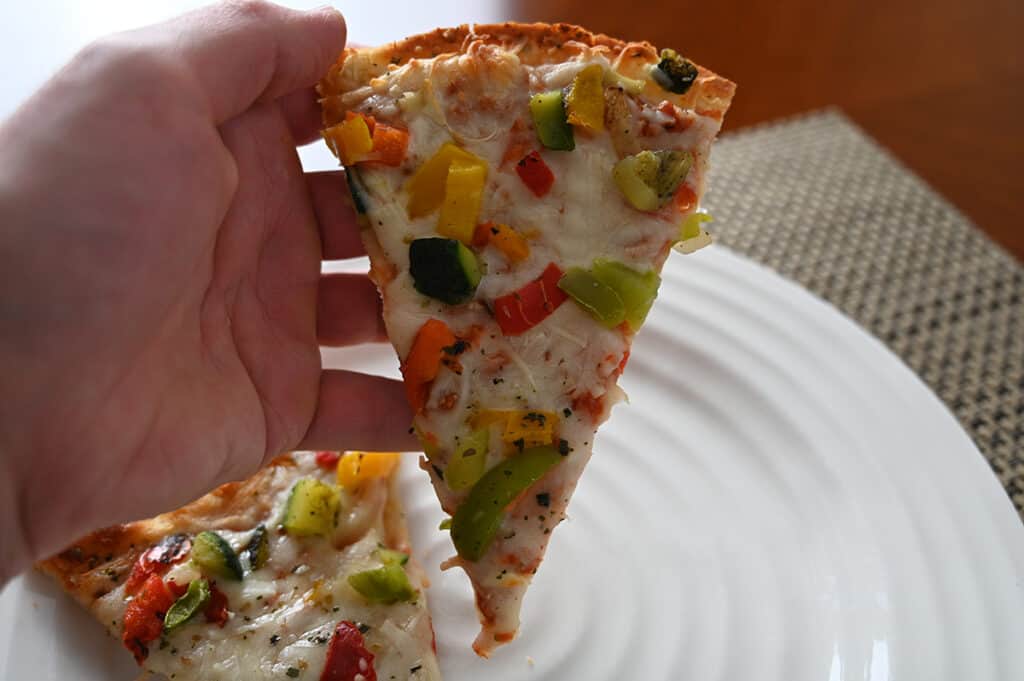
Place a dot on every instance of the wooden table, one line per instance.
(939, 82)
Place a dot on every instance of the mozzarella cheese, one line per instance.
(282, 616)
(568, 364)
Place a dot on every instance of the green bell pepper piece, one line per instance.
(387, 584)
(636, 289)
(193, 601)
(477, 520)
(466, 466)
(389, 556)
(596, 297)
(551, 122)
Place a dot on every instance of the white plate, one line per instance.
(783, 499)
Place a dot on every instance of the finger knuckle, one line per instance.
(130, 61)
(258, 10)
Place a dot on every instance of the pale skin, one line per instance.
(161, 302)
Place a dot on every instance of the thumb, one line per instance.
(250, 50)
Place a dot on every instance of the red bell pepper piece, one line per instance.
(216, 611)
(177, 590)
(521, 310)
(328, 460)
(482, 234)
(685, 199)
(535, 174)
(157, 560)
(347, 656)
(144, 616)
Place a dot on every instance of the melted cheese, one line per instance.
(568, 363)
(282, 616)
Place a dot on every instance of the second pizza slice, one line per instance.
(301, 571)
(521, 187)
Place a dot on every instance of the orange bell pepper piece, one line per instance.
(423, 362)
(504, 238)
(389, 145)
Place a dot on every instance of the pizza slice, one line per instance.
(301, 571)
(520, 187)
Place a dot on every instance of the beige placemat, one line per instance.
(819, 201)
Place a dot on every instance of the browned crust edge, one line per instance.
(537, 43)
(96, 564)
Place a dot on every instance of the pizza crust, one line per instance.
(98, 563)
(534, 44)
(304, 581)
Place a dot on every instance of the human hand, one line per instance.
(160, 291)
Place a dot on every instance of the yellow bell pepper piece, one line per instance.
(510, 242)
(427, 186)
(616, 79)
(534, 428)
(692, 225)
(350, 139)
(585, 102)
(354, 468)
(463, 193)
(692, 236)
(487, 417)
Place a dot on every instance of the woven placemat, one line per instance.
(820, 202)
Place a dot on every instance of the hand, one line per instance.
(160, 292)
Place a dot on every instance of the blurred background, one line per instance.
(938, 82)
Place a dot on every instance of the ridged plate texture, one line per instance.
(781, 499)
